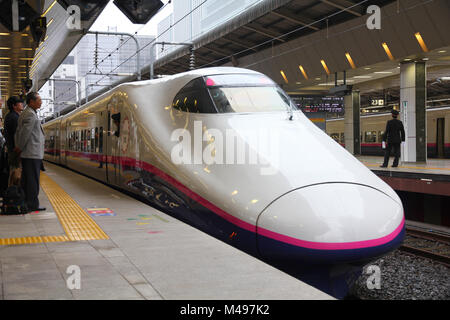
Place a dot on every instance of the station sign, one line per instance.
(319, 104)
(377, 102)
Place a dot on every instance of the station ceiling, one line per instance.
(270, 24)
(303, 33)
(21, 56)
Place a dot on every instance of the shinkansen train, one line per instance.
(297, 199)
(373, 126)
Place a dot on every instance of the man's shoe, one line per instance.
(383, 166)
(395, 166)
(38, 209)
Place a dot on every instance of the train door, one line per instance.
(440, 138)
(58, 146)
(112, 142)
(63, 143)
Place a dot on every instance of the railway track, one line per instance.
(434, 246)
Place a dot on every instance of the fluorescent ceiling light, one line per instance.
(284, 77)
(324, 65)
(421, 42)
(388, 51)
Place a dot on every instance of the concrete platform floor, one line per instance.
(148, 255)
(433, 166)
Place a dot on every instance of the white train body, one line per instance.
(305, 200)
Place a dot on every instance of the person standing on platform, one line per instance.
(394, 136)
(15, 106)
(30, 141)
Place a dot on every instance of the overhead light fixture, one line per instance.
(284, 77)
(139, 12)
(5, 34)
(350, 60)
(5, 58)
(421, 42)
(303, 72)
(388, 51)
(325, 66)
(5, 48)
(442, 51)
(362, 77)
(383, 72)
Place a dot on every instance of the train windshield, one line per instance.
(232, 93)
(247, 93)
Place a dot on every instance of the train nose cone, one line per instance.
(333, 221)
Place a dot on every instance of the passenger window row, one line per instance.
(87, 140)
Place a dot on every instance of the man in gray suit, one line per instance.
(30, 141)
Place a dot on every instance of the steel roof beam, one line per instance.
(333, 4)
(292, 18)
(266, 33)
(239, 43)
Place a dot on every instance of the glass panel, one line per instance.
(250, 99)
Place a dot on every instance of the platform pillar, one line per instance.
(413, 96)
(352, 105)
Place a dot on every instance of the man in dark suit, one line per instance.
(30, 141)
(15, 106)
(394, 135)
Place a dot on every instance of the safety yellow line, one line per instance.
(32, 240)
(77, 224)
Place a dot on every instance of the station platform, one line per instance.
(432, 177)
(124, 249)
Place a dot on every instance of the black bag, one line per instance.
(14, 201)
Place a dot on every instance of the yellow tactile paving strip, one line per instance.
(77, 224)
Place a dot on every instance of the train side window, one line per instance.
(79, 140)
(194, 98)
(371, 136)
(92, 140)
(96, 140)
(116, 121)
(82, 141)
(100, 140)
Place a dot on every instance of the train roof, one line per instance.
(189, 74)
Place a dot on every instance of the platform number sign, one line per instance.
(377, 102)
